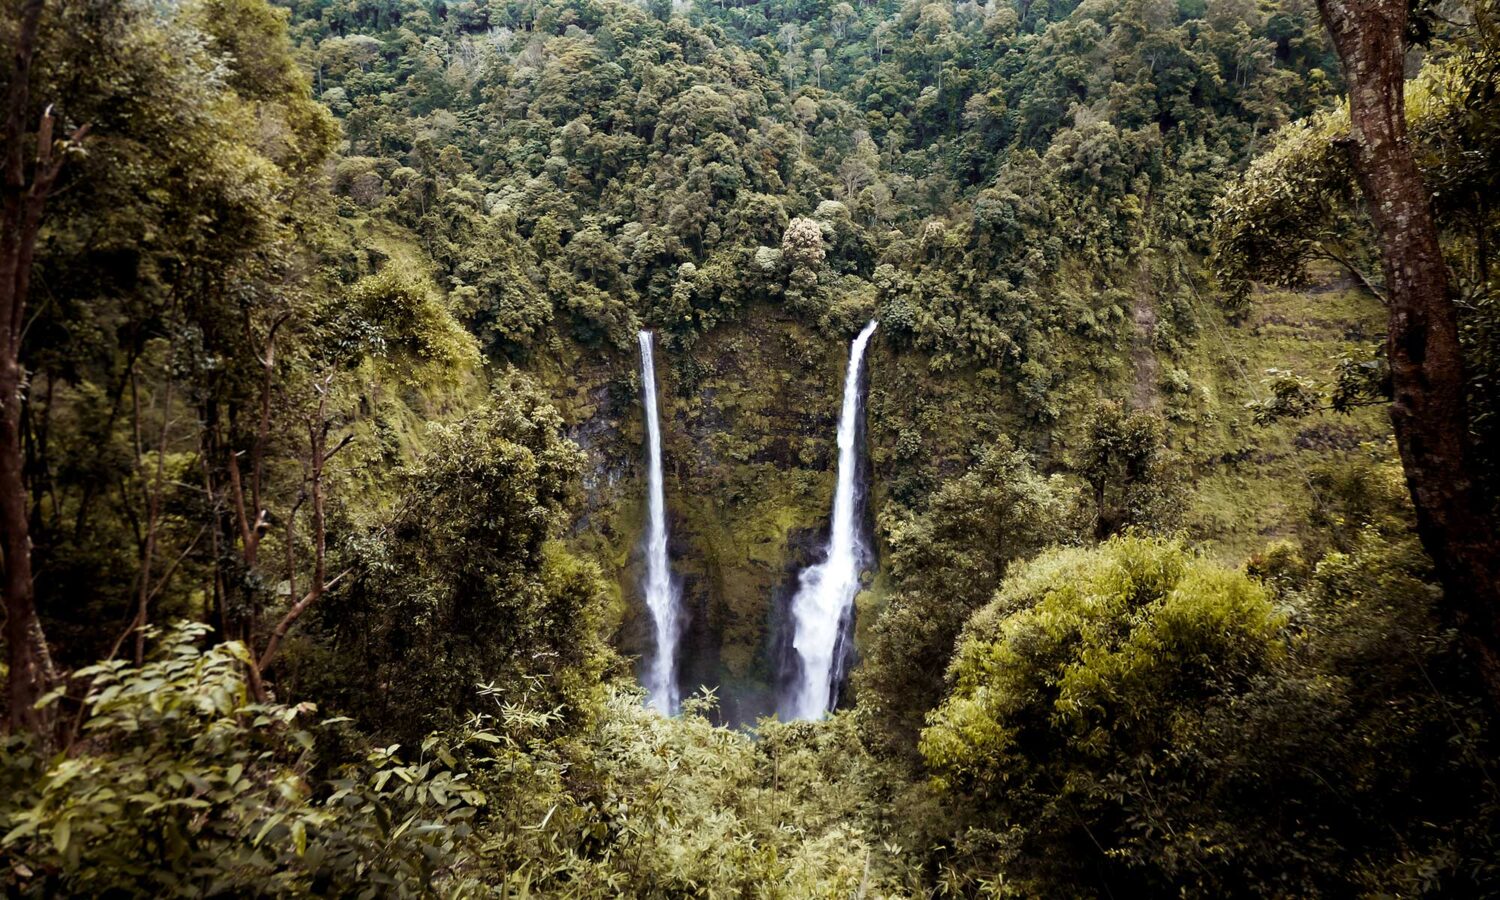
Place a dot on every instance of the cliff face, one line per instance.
(748, 419)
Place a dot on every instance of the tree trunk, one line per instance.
(1429, 411)
(29, 670)
(21, 201)
(318, 458)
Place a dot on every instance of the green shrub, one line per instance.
(465, 582)
(179, 785)
(945, 563)
(1087, 662)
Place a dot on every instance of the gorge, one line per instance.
(447, 449)
(812, 644)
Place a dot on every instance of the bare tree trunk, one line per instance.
(30, 673)
(1429, 411)
(153, 493)
(263, 429)
(318, 457)
(23, 195)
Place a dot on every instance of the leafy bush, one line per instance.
(177, 784)
(1079, 674)
(645, 806)
(1135, 478)
(1135, 720)
(946, 563)
(394, 314)
(465, 582)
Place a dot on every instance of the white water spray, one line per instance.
(661, 591)
(825, 595)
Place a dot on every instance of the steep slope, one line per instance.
(1021, 196)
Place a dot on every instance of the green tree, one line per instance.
(1072, 680)
(171, 251)
(180, 784)
(1129, 469)
(945, 563)
(465, 582)
(1429, 368)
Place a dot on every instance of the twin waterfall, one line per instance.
(822, 612)
(662, 596)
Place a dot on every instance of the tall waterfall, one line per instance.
(661, 591)
(822, 611)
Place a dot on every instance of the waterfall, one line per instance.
(660, 589)
(822, 610)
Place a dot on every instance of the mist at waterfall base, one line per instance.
(823, 608)
(663, 598)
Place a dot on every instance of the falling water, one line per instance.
(823, 608)
(660, 589)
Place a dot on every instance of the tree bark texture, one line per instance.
(1429, 409)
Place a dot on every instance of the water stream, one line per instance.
(661, 590)
(823, 608)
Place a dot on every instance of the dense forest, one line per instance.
(750, 448)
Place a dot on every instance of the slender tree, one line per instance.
(24, 189)
(1429, 411)
(318, 427)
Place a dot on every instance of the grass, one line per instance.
(1250, 482)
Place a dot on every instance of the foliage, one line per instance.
(642, 805)
(1297, 202)
(1356, 382)
(945, 563)
(1135, 478)
(186, 788)
(178, 784)
(1074, 680)
(188, 223)
(1086, 653)
(1137, 719)
(464, 581)
(393, 315)
(504, 136)
(295, 229)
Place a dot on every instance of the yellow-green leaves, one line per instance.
(1089, 652)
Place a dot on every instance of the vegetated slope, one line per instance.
(396, 672)
(1020, 196)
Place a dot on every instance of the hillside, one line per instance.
(1139, 552)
